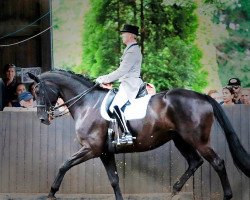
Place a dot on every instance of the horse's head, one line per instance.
(47, 94)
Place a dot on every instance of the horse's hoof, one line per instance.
(51, 198)
(174, 193)
(177, 187)
(228, 197)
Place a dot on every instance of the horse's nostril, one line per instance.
(41, 117)
(46, 122)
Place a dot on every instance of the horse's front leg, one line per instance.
(82, 155)
(108, 161)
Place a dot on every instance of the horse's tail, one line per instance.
(240, 157)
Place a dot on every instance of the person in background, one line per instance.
(26, 100)
(31, 89)
(228, 96)
(215, 95)
(1, 94)
(20, 88)
(245, 96)
(10, 83)
(236, 85)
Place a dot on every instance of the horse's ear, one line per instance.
(33, 77)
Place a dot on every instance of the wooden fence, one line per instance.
(31, 153)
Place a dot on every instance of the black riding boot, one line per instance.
(126, 136)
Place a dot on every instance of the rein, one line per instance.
(52, 109)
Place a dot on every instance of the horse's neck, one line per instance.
(69, 92)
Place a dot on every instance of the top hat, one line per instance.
(130, 29)
(234, 81)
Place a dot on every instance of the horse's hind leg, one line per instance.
(108, 161)
(218, 165)
(193, 158)
(81, 156)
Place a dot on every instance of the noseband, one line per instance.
(52, 109)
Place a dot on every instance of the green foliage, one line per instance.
(233, 54)
(67, 21)
(171, 58)
(181, 66)
(100, 41)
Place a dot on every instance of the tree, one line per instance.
(233, 53)
(171, 59)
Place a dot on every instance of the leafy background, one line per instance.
(196, 44)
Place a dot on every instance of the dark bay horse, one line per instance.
(184, 116)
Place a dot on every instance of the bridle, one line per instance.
(51, 110)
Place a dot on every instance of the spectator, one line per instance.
(26, 99)
(236, 85)
(1, 94)
(245, 96)
(215, 95)
(10, 82)
(20, 88)
(228, 96)
(32, 91)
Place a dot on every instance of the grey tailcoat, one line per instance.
(128, 72)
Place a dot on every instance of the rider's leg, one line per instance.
(119, 101)
(126, 136)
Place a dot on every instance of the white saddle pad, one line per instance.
(136, 110)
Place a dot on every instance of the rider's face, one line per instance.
(127, 37)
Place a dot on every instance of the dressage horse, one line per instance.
(184, 116)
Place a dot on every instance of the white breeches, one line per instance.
(120, 99)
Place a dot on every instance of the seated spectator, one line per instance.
(26, 99)
(32, 91)
(1, 94)
(9, 82)
(236, 85)
(20, 88)
(245, 96)
(228, 96)
(215, 95)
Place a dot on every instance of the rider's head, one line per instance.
(129, 33)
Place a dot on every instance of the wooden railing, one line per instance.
(31, 153)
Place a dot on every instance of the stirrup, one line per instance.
(127, 138)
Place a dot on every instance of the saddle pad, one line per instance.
(136, 110)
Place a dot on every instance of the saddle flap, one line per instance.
(135, 110)
(109, 99)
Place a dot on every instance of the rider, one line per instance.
(128, 75)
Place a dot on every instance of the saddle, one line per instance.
(132, 110)
(111, 95)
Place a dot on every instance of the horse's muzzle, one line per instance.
(45, 121)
